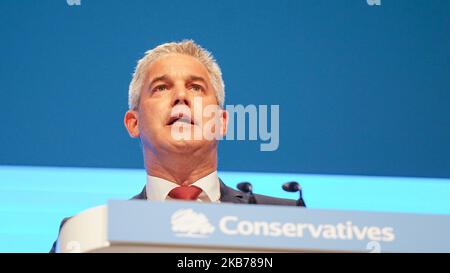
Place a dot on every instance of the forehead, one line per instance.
(177, 65)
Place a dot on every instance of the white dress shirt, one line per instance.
(157, 189)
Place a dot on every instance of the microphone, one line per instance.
(295, 187)
(247, 188)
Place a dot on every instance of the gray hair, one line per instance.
(186, 47)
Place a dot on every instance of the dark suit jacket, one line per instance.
(227, 195)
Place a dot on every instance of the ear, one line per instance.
(131, 123)
(223, 123)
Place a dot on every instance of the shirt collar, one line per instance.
(157, 189)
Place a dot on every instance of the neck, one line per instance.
(180, 168)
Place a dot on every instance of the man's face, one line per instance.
(176, 90)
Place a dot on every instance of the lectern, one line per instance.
(177, 226)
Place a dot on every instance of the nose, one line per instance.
(180, 96)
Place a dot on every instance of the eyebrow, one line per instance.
(193, 78)
(190, 78)
(160, 78)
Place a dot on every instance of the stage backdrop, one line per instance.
(362, 89)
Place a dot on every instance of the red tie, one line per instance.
(185, 192)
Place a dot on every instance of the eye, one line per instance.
(197, 88)
(160, 88)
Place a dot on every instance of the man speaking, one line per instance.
(176, 109)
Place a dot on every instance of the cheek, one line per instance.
(211, 114)
(152, 117)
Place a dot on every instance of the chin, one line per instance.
(184, 145)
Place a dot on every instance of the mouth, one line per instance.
(182, 119)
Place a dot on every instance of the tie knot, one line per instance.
(185, 192)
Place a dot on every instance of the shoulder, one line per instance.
(140, 196)
(269, 200)
(53, 249)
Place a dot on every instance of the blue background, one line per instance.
(364, 95)
(362, 89)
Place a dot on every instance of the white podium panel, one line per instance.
(175, 226)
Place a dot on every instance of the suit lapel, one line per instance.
(227, 194)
